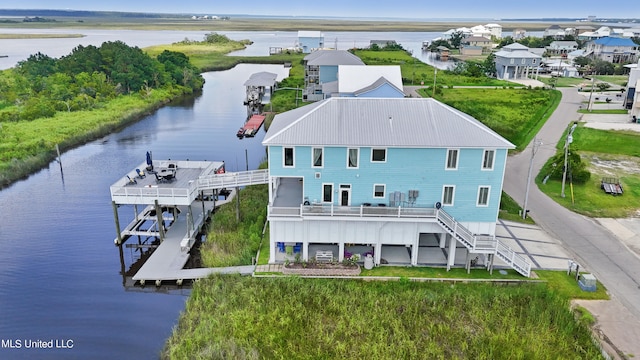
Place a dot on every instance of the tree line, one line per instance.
(41, 85)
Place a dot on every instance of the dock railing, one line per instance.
(147, 195)
(233, 179)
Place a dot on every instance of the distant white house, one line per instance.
(379, 81)
(561, 47)
(632, 99)
(516, 61)
(612, 49)
(554, 31)
(309, 41)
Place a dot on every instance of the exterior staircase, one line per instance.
(482, 244)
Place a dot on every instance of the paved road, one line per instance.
(592, 245)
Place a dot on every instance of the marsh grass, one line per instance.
(415, 72)
(516, 114)
(231, 242)
(291, 317)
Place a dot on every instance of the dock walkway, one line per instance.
(190, 197)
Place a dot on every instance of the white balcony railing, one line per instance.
(331, 210)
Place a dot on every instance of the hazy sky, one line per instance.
(494, 9)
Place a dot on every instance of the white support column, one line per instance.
(270, 190)
(414, 250)
(443, 240)
(378, 253)
(272, 249)
(452, 252)
(305, 250)
(340, 251)
(515, 73)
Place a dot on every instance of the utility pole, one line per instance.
(435, 73)
(567, 141)
(593, 80)
(534, 149)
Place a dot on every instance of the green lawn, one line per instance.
(604, 111)
(562, 81)
(620, 80)
(610, 154)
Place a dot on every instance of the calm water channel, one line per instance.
(59, 269)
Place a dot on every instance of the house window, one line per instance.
(316, 161)
(378, 191)
(327, 193)
(513, 61)
(523, 61)
(378, 155)
(535, 61)
(452, 159)
(352, 158)
(488, 159)
(483, 196)
(288, 157)
(448, 194)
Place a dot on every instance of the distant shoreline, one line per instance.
(269, 24)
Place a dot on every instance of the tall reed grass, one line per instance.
(275, 318)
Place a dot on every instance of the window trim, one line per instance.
(357, 158)
(478, 204)
(446, 163)
(453, 194)
(379, 161)
(384, 191)
(313, 164)
(284, 157)
(484, 157)
(323, 193)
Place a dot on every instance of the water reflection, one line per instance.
(60, 271)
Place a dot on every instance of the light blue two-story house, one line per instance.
(385, 177)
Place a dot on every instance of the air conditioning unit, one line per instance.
(318, 175)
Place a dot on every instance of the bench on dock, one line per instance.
(324, 256)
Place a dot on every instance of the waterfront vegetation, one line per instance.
(230, 241)
(84, 95)
(291, 317)
(607, 153)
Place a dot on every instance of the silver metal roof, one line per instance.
(332, 57)
(386, 122)
(378, 83)
(517, 54)
(261, 79)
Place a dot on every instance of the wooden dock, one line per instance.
(168, 260)
(174, 213)
(251, 127)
